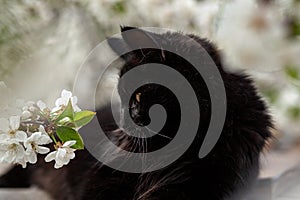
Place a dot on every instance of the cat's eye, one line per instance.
(138, 97)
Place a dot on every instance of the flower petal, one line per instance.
(66, 161)
(65, 94)
(59, 102)
(42, 130)
(4, 137)
(57, 166)
(44, 139)
(76, 108)
(42, 150)
(41, 105)
(27, 145)
(14, 122)
(21, 136)
(20, 151)
(69, 143)
(74, 100)
(35, 136)
(32, 158)
(10, 156)
(55, 109)
(71, 155)
(61, 153)
(51, 156)
(22, 162)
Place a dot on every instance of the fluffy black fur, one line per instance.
(229, 168)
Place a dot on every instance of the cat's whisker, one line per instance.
(158, 133)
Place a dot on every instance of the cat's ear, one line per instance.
(138, 39)
(118, 46)
(133, 39)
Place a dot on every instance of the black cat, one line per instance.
(231, 167)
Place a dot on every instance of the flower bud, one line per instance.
(26, 114)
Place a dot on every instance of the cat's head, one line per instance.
(144, 47)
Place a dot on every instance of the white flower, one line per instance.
(32, 146)
(9, 130)
(29, 106)
(64, 100)
(11, 152)
(62, 155)
(41, 105)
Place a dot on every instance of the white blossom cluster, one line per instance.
(24, 136)
(19, 147)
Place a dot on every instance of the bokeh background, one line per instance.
(44, 42)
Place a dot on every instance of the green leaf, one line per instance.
(83, 117)
(65, 134)
(67, 112)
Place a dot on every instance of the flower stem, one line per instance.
(33, 122)
(53, 138)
